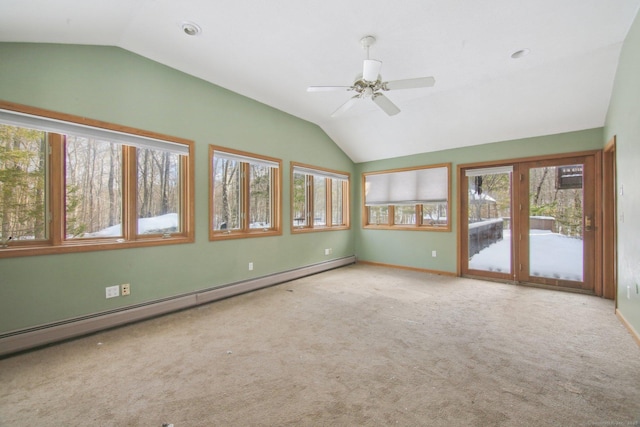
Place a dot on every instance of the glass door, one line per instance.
(488, 226)
(531, 222)
(557, 238)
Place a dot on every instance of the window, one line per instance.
(70, 184)
(244, 194)
(23, 154)
(319, 200)
(408, 199)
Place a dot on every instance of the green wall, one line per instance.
(116, 86)
(623, 121)
(413, 248)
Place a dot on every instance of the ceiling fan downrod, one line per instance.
(371, 68)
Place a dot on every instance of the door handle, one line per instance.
(587, 223)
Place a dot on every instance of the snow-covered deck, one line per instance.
(552, 255)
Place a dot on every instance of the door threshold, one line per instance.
(532, 285)
(557, 288)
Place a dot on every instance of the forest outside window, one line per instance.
(320, 199)
(245, 194)
(408, 199)
(70, 184)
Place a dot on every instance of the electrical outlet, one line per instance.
(250, 266)
(327, 251)
(434, 253)
(112, 291)
(125, 289)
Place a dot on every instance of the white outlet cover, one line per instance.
(112, 291)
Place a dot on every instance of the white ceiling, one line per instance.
(272, 51)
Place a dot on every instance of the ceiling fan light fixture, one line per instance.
(520, 53)
(191, 28)
(371, 69)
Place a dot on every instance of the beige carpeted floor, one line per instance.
(360, 345)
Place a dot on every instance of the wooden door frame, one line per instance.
(597, 219)
(609, 222)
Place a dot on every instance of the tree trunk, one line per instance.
(144, 206)
(113, 217)
(539, 187)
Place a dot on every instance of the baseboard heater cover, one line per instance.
(21, 340)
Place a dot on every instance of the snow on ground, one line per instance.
(168, 222)
(552, 255)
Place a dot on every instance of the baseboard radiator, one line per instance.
(24, 339)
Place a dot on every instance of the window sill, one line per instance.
(296, 230)
(230, 235)
(89, 246)
(406, 227)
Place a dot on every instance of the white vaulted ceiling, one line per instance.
(271, 51)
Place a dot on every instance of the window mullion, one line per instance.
(57, 207)
(185, 190)
(329, 199)
(346, 208)
(129, 190)
(419, 215)
(245, 179)
(310, 201)
(275, 198)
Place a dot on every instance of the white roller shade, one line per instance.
(245, 159)
(70, 128)
(403, 187)
(434, 184)
(489, 171)
(376, 189)
(320, 173)
(407, 187)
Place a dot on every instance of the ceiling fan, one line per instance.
(370, 85)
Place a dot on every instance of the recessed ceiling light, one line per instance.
(191, 28)
(520, 53)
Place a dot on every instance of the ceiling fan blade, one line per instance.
(328, 88)
(409, 83)
(344, 107)
(371, 70)
(385, 104)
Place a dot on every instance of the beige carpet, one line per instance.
(360, 345)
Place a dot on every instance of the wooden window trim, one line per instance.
(419, 225)
(276, 205)
(55, 203)
(310, 227)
